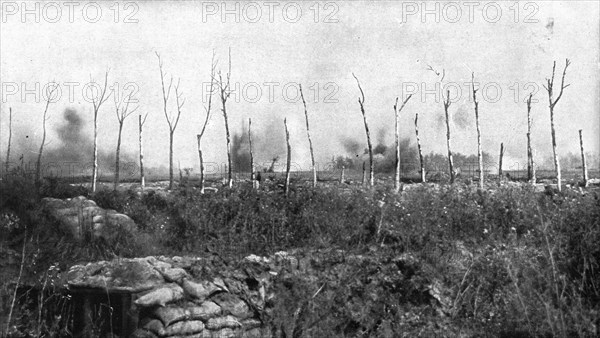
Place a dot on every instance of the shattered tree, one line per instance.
(421, 163)
(479, 151)
(450, 161)
(397, 129)
(361, 102)
(97, 103)
(172, 121)
(552, 103)
(312, 154)
(530, 164)
(141, 122)
(122, 114)
(225, 92)
(583, 163)
(207, 109)
(6, 164)
(38, 168)
(289, 158)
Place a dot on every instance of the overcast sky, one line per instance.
(510, 46)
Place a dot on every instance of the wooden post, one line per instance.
(419, 149)
(479, 151)
(450, 161)
(312, 154)
(552, 104)
(343, 174)
(361, 102)
(500, 161)
(289, 159)
(583, 164)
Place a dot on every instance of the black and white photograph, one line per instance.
(299, 169)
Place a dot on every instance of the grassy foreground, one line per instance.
(509, 261)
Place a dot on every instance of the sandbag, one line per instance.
(161, 296)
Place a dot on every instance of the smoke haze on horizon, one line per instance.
(369, 39)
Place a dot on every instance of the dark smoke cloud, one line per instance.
(71, 154)
(351, 146)
(240, 152)
(74, 145)
(461, 118)
(384, 156)
(267, 142)
(381, 135)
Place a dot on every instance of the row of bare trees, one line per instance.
(446, 104)
(222, 83)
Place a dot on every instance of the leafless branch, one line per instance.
(122, 114)
(443, 74)
(212, 83)
(97, 102)
(178, 97)
(361, 100)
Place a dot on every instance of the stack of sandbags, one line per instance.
(187, 307)
(79, 216)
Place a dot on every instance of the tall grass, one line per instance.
(509, 259)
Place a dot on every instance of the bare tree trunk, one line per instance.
(312, 154)
(450, 161)
(141, 125)
(117, 155)
(500, 160)
(530, 166)
(364, 174)
(225, 92)
(227, 135)
(397, 132)
(38, 169)
(479, 151)
(122, 114)
(9, 140)
(201, 164)
(97, 105)
(39, 158)
(419, 149)
(555, 152)
(583, 164)
(289, 159)
(170, 160)
(361, 102)
(208, 111)
(180, 173)
(252, 173)
(552, 104)
(172, 122)
(95, 154)
(342, 175)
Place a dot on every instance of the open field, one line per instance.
(509, 259)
